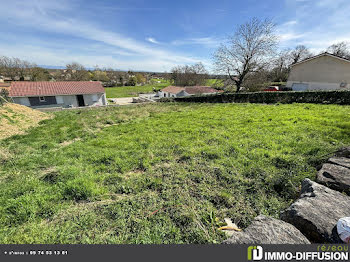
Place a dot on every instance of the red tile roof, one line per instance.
(173, 89)
(55, 88)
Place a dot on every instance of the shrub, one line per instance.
(316, 97)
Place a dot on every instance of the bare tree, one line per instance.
(281, 66)
(247, 51)
(15, 68)
(22, 68)
(6, 67)
(77, 72)
(341, 49)
(300, 53)
(189, 75)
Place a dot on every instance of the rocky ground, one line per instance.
(313, 216)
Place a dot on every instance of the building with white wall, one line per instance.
(321, 72)
(58, 94)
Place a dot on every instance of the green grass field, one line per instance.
(160, 173)
(132, 91)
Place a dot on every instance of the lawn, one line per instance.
(160, 173)
(214, 82)
(133, 91)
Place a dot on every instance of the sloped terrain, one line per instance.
(161, 172)
(16, 119)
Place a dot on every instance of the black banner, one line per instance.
(179, 253)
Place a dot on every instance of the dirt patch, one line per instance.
(134, 173)
(50, 175)
(69, 142)
(16, 119)
(82, 208)
(4, 155)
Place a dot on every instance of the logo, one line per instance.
(255, 253)
(325, 253)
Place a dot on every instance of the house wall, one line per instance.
(62, 101)
(321, 73)
(161, 94)
(95, 100)
(21, 100)
(167, 94)
(49, 100)
(67, 101)
(182, 94)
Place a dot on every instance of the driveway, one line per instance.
(122, 101)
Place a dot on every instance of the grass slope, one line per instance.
(160, 173)
(133, 91)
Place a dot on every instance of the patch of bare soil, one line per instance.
(69, 142)
(16, 119)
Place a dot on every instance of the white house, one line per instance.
(177, 91)
(58, 94)
(321, 72)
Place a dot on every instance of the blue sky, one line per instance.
(156, 35)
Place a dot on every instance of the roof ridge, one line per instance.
(322, 54)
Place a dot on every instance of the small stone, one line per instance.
(268, 230)
(341, 161)
(344, 152)
(335, 177)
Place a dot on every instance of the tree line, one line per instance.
(15, 69)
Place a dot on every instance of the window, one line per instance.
(164, 94)
(41, 99)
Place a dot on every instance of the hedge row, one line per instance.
(317, 97)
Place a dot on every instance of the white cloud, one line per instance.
(289, 23)
(152, 40)
(318, 24)
(45, 56)
(289, 36)
(50, 16)
(287, 32)
(204, 41)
